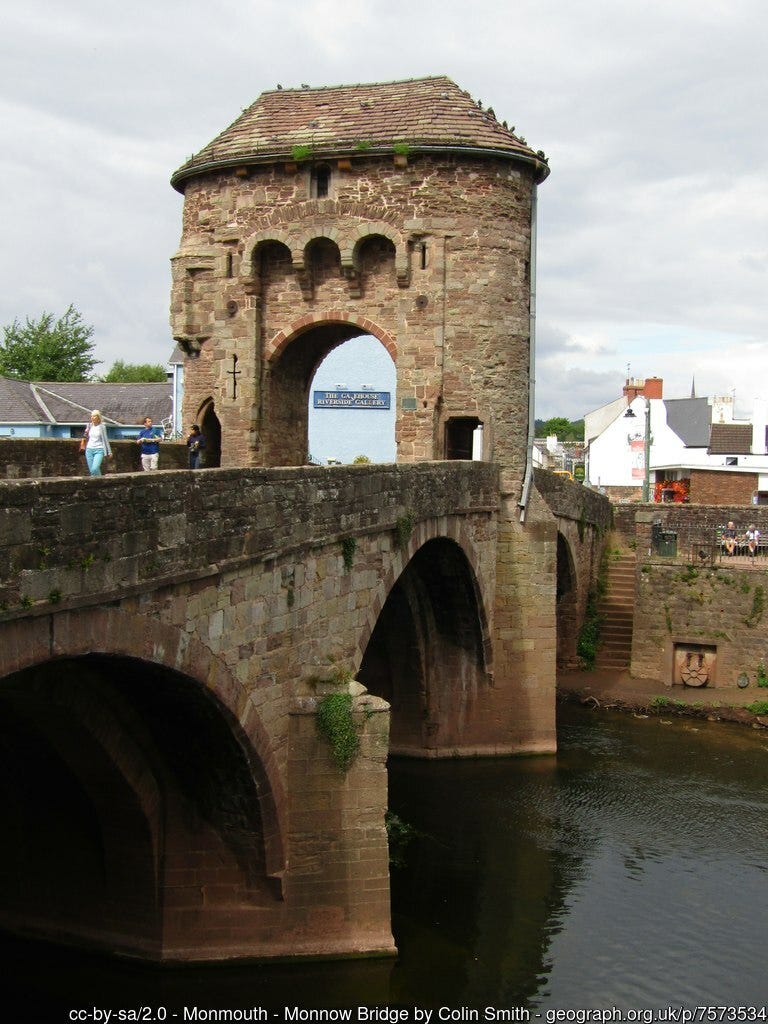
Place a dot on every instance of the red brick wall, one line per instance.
(722, 488)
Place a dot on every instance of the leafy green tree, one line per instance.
(565, 429)
(135, 373)
(48, 349)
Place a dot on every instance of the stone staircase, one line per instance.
(616, 609)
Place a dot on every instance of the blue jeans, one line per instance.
(94, 456)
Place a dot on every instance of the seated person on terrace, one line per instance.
(729, 538)
(753, 540)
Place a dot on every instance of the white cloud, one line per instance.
(652, 225)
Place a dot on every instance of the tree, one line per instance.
(564, 429)
(135, 373)
(48, 349)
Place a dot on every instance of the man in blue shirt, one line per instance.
(149, 440)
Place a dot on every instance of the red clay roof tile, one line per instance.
(347, 119)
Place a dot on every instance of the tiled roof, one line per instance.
(348, 119)
(730, 439)
(71, 403)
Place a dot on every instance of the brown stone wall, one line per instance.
(35, 458)
(722, 488)
(432, 259)
(720, 609)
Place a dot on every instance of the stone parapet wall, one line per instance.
(695, 525)
(36, 458)
(90, 538)
(572, 500)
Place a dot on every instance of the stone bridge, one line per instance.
(165, 642)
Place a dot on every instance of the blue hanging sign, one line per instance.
(339, 399)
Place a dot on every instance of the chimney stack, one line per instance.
(651, 387)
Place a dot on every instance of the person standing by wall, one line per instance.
(149, 442)
(95, 443)
(195, 446)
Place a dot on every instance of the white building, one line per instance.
(683, 435)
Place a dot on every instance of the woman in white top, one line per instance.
(97, 443)
(753, 540)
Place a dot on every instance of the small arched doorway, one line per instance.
(211, 428)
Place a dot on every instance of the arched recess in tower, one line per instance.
(427, 655)
(120, 782)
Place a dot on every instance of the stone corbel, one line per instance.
(354, 282)
(305, 279)
(403, 269)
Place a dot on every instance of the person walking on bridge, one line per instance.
(95, 443)
(149, 441)
(195, 446)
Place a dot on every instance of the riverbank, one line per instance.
(620, 691)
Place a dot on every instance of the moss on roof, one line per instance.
(420, 114)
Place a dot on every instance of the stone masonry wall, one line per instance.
(24, 458)
(448, 296)
(695, 525)
(721, 610)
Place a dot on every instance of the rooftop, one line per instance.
(421, 113)
(24, 401)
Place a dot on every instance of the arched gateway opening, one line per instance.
(351, 405)
(427, 653)
(290, 374)
(129, 808)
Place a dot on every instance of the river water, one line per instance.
(631, 871)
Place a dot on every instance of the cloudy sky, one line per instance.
(653, 225)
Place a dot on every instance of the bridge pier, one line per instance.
(338, 879)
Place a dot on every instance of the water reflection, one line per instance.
(629, 871)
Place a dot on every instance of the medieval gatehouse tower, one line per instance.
(400, 210)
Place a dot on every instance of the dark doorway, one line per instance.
(211, 428)
(458, 436)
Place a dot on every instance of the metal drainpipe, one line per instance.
(528, 478)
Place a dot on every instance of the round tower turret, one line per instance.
(402, 210)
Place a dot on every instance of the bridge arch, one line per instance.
(427, 650)
(122, 635)
(137, 781)
(567, 603)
